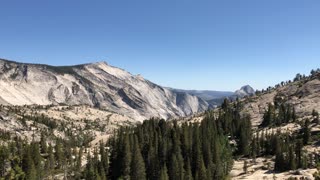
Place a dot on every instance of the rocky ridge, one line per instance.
(97, 85)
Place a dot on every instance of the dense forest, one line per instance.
(155, 149)
(163, 150)
(158, 149)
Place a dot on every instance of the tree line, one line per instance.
(162, 150)
(165, 150)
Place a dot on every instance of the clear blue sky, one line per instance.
(190, 44)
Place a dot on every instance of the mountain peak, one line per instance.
(246, 90)
(96, 84)
(99, 63)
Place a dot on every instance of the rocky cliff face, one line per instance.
(98, 85)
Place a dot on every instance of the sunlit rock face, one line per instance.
(98, 85)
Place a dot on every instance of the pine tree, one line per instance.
(138, 171)
(104, 159)
(115, 159)
(37, 159)
(164, 173)
(188, 175)
(89, 172)
(281, 115)
(199, 167)
(174, 168)
(79, 159)
(31, 173)
(245, 137)
(245, 167)
(315, 115)
(18, 173)
(292, 159)
(210, 170)
(201, 171)
(50, 162)
(294, 116)
(43, 144)
(269, 116)
(177, 155)
(279, 162)
(306, 132)
(126, 161)
(102, 174)
(4, 155)
(254, 148)
(59, 155)
(152, 163)
(28, 164)
(298, 152)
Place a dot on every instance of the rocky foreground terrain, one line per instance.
(97, 85)
(89, 125)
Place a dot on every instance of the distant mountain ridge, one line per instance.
(215, 98)
(207, 94)
(98, 85)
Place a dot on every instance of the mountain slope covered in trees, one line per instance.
(302, 94)
(286, 130)
(284, 140)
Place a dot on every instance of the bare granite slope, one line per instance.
(97, 85)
